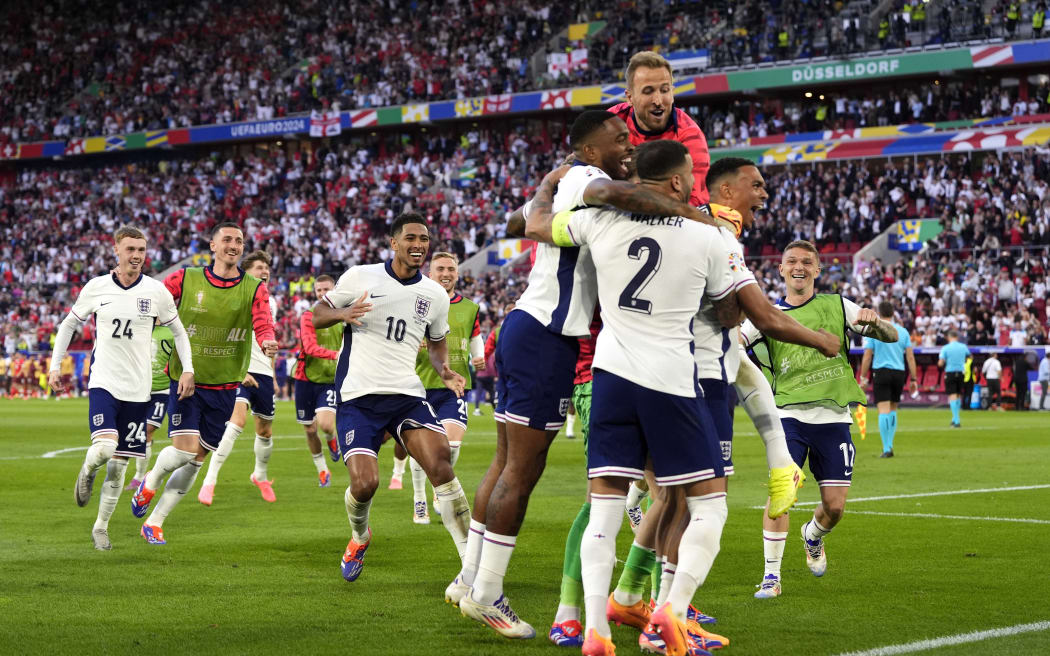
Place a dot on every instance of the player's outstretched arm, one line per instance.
(874, 327)
(727, 309)
(325, 315)
(631, 197)
(781, 325)
(437, 350)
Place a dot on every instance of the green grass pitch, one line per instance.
(244, 576)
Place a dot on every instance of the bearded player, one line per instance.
(222, 308)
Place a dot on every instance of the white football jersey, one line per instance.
(809, 413)
(379, 356)
(260, 363)
(562, 285)
(717, 353)
(122, 358)
(653, 274)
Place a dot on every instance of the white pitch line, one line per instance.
(927, 494)
(960, 639)
(52, 454)
(933, 516)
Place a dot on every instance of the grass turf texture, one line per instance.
(244, 576)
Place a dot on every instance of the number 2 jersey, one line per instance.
(379, 356)
(653, 275)
(121, 361)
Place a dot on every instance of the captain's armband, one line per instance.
(560, 233)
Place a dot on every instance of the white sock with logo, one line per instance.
(229, 436)
(263, 449)
(111, 489)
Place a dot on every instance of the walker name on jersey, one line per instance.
(669, 221)
(211, 334)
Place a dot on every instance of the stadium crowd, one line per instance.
(83, 68)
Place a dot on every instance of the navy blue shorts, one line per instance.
(829, 448)
(362, 423)
(499, 395)
(629, 421)
(158, 405)
(203, 415)
(448, 407)
(716, 397)
(125, 418)
(536, 369)
(311, 398)
(260, 399)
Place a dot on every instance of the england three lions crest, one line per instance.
(422, 307)
(144, 305)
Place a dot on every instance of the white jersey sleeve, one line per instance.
(347, 290)
(562, 287)
(260, 363)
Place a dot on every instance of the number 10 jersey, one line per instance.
(379, 356)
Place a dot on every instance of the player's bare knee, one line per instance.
(363, 487)
(264, 430)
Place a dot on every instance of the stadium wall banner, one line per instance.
(886, 66)
(911, 234)
(923, 144)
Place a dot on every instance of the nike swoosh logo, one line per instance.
(848, 472)
(377, 295)
(106, 303)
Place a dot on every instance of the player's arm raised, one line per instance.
(874, 327)
(626, 196)
(780, 325)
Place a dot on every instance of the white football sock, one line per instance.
(357, 513)
(99, 453)
(698, 548)
(757, 398)
(263, 449)
(814, 531)
(399, 466)
(320, 462)
(111, 489)
(666, 579)
(142, 464)
(598, 558)
(419, 481)
(773, 550)
(453, 450)
(492, 567)
(635, 495)
(566, 613)
(455, 513)
(178, 485)
(570, 425)
(229, 436)
(169, 460)
(472, 557)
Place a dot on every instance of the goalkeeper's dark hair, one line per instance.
(225, 224)
(586, 124)
(656, 160)
(406, 219)
(723, 167)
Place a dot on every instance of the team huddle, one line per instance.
(637, 313)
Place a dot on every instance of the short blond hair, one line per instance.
(127, 231)
(443, 254)
(646, 59)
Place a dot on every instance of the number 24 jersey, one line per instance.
(122, 360)
(379, 356)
